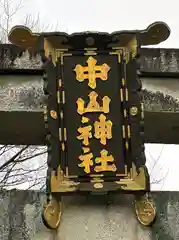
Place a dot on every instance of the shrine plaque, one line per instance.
(96, 126)
(93, 114)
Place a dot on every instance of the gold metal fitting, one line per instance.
(98, 185)
(53, 114)
(133, 111)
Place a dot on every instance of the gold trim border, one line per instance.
(133, 181)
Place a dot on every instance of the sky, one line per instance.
(116, 15)
(105, 15)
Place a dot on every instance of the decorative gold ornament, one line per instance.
(98, 185)
(131, 180)
(58, 96)
(45, 113)
(63, 146)
(59, 83)
(52, 213)
(142, 111)
(84, 120)
(134, 180)
(133, 111)
(53, 114)
(59, 183)
(145, 210)
(129, 131)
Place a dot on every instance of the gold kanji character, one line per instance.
(103, 129)
(86, 160)
(93, 105)
(85, 134)
(91, 72)
(105, 160)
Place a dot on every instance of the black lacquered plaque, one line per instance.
(93, 114)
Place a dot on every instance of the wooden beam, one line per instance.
(21, 127)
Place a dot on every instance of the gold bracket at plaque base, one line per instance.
(51, 214)
(144, 206)
(145, 210)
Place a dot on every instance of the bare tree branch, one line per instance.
(12, 159)
(18, 164)
(21, 167)
(7, 12)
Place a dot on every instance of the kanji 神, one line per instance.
(103, 129)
